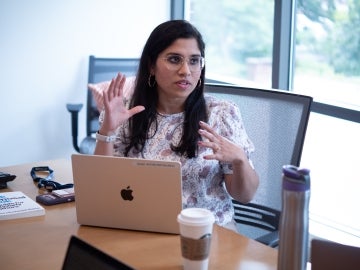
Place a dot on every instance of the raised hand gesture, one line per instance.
(116, 112)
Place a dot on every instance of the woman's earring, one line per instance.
(199, 83)
(151, 82)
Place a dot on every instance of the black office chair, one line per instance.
(276, 122)
(328, 255)
(100, 69)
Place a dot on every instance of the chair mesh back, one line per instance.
(276, 122)
(272, 125)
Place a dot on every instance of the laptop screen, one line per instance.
(81, 255)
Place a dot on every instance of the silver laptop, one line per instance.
(127, 193)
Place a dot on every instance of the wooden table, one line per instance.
(41, 242)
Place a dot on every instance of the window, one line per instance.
(327, 67)
(316, 52)
(327, 51)
(331, 151)
(233, 52)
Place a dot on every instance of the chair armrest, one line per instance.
(87, 145)
(74, 109)
(269, 239)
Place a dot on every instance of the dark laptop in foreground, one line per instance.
(127, 193)
(81, 255)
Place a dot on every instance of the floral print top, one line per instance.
(202, 180)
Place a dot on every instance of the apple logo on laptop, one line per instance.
(126, 194)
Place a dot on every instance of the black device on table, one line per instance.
(57, 196)
(56, 192)
(4, 178)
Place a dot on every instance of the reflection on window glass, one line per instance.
(238, 37)
(328, 51)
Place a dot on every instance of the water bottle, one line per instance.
(294, 219)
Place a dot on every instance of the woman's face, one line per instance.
(177, 70)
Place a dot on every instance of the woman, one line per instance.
(169, 118)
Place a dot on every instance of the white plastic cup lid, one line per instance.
(196, 217)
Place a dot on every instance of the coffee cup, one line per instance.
(196, 225)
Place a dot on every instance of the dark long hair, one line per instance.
(195, 108)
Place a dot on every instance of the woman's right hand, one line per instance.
(116, 112)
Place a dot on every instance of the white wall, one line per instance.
(44, 50)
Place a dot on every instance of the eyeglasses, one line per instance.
(174, 62)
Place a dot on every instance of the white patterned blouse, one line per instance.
(202, 180)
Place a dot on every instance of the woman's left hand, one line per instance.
(243, 183)
(223, 149)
